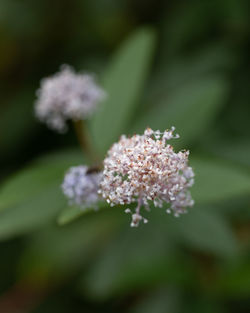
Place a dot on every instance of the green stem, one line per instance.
(84, 140)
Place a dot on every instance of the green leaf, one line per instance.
(207, 231)
(213, 59)
(216, 180)
(191, 108)
(30, 182)
(60, 251)
(136, 259)
(27, 217)
(123, 83)
(234, 150)
(70, 214)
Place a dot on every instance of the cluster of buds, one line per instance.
(67, 96)
(81, 186)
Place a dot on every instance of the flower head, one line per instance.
(67, 95)
(145, 169)
(81, 186)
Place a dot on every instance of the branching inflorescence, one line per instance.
(145, 169)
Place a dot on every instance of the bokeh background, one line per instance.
(163, 63)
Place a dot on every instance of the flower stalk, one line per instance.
(84, 140)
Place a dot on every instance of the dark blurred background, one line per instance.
(195, 41)
(38, 36)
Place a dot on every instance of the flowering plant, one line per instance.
(67, 207)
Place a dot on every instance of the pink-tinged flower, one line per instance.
(145, 169)
(67, 96)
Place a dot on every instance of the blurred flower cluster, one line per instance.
(67, 96)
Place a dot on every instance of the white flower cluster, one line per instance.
(81, 186)
(143, 169)
(67, 95)
(146, 169)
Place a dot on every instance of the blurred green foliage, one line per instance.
(162, 63)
